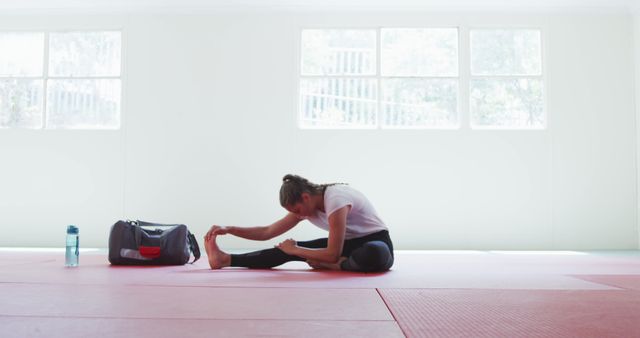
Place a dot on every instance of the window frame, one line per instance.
(300, 77)
(46, 77)
(458, 78)
(543, 77)
(464, 77)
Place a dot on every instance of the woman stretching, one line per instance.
(358, 239)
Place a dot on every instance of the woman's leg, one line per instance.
(367, 254)
(370, 253)
(269, 258)
(372, 256)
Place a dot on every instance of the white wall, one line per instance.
(209, 129)
(636, 25)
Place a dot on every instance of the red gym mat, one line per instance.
(439, 294)
(43, 327)
(114, 301)
(629, 282)
(515, 313)
(408, 272)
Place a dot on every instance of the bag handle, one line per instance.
(149, 224)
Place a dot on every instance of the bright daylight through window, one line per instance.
(409, 78)
(60, 80)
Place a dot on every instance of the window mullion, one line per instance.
(464, 84)
(45, 74)
(379, 77)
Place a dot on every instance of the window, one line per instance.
(21, 79)
(419, 77)
(60, 80)
(409, 78)
(506, 85)
(343, 85)
(338, 85)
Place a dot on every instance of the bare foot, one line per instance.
(217, 258)
(327, 266)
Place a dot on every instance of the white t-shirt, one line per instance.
(362, 218)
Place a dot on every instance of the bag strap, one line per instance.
(137, 233)
(193, 246)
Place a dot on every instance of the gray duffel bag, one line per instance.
(144, 243)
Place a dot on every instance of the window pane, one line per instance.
(419, 52)
(338, 102)
(507, 103)
(420, 103)
(84, 54)
(506, 52)
(21, 54)
(83, 104)
(338, 52)
(21, 103)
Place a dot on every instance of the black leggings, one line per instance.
(371, 253)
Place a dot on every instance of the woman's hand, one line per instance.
(216, 230)
(287, 246)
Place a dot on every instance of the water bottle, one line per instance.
(73, 246)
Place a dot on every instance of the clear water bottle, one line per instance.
(73, 246)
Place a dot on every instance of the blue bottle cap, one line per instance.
(72, 229)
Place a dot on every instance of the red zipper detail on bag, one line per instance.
(150, 251)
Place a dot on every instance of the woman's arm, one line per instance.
(253, 233)
(330, 254)
(260, 233)
(282, 226)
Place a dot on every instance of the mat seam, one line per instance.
(391, 312)
(190, 318)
